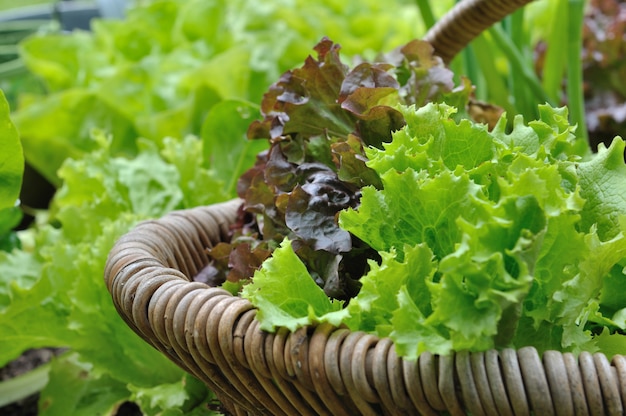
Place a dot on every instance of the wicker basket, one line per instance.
(325, 370)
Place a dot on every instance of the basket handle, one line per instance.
(466, 20)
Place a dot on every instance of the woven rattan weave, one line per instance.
(325, 370)
(468, 19)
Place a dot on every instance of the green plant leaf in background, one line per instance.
(11, 158)
(60, 299)
(11, 172)
(179, 398)
(160, 70)
(74, 390)
(227, 148)
(59, 127)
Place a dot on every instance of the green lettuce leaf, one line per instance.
(226, 147)
(411, 334)
(415, 211)
(286, 294)
(187, 396)
(11, 159)
(579, 295)
(372, 309)
(519, 243)
(29, 266)
(603, 188)
(83, 392)
(11, 172)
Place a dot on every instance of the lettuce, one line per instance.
(160, 70)
(52, 293)
(11, 172)
(318, 119)
(306, 299)
(11, 158)
(487, 239)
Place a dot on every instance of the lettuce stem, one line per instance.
(576, 100)
(498, 90)
(524, 100)
(555, 61)
(426, 12)
(516, 60)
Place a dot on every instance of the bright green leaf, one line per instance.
(61, 127)
(183, 397)
(412, 209)
(412, 335)
(227, 150)
(285, 293)
(371, 310)
(603, 185)
(11, 160)
(73, 389)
